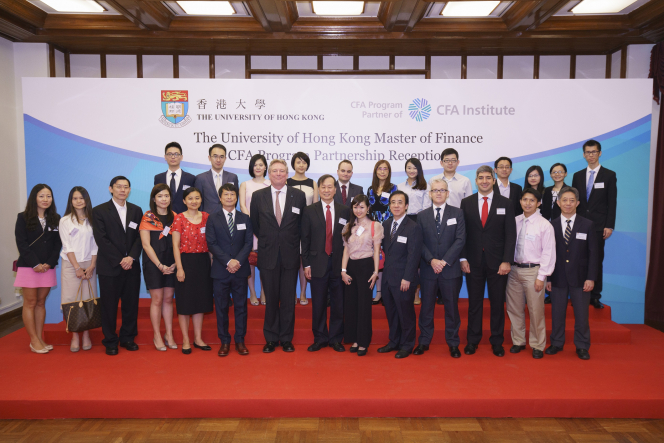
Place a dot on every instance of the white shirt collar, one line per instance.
(564, 219)
(178, 173)
(214, 174)
(398, 221)
(596, 169)
(450, 179)
(500, 184)
(480, 196)
(226, 212)
(118, 207)
(282, 190)
(442, 208)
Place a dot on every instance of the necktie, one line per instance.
(521, 244)
(394, 230)
(568, 232)
(231, 225)
(438, 220)
(589, 187)
(485, 210)
(328, 231)
(277, 209)
(172, 185)
(344, 196)
(217, 182)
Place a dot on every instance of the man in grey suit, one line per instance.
(345, 189)
(210, 181)
(443, 235)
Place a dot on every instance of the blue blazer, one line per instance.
(187, 180)
(205, 183)
(225, 247)
(446, 246)
(402, 259)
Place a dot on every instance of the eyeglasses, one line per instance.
(218, 157)
(173, 154)
(450, 161)
(504, 168)
(591, 152)
(534, 176)
(557, 172)
(439, 191)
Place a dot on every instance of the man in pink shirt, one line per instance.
(534, 261)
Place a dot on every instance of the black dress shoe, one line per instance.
(583, 354)
(111, 351)
(537, 354)
(552, 350)
(470, 349)
(379, 301)
(439, 301)
(596, 303)
(316, 347)
(515, 349)
(498, 350)
(186, 351)
(547, 300)
(204, 348)
(402, 353)
(454, 352)
(353, 349)
(338, 347)
(130, 346)
(269, 347)
(362, 352)
(385, 349)
(288, 346)
(419, 349)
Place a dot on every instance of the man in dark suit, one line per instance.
(210, 181)
(276, 216)
(443, 235)
(487, 258)
(322, 251)
(346, 190)
(115, 229)
(230, 238)
(598, 195)
(402, 245)
(577, 262)
(503, 186)
(175, 178)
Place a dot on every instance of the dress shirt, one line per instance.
(588, 173)
(418, 199)
(362, 246)
(480, 202)
(563, 222)
(398, 222)
(122, 212)
(178, 176)
(282, 199)
(220, 175)
(77, 238)
(540, 247)
(325, 215)
(442, 211)
(234, 222)
(504, 190)
(459, 187)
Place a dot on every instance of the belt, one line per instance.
(526, 265)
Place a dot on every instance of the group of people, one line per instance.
(416, 237)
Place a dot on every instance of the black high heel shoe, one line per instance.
(353, 348)
(362, 352)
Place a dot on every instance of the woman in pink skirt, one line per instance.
(38, 242)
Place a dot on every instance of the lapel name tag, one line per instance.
(599, 185)
(133, 225)
(203, 230)
(530, 237)
(242, 227)
(451, 221)
(185, 187)
(359, 231)
(343, 221)
(402, 239)
(166, 230)
(296, 210)
(500, 211)
(581, 236)
(385, 195)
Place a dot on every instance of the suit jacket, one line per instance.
(33, 247)
(515, 196)
(497, 238)
(549, 212)
(313, 237)
(601, 207)
(186, 179)
(225, 247)
(351, 192)
(578, 261)
(274, 239)
(402, 259)
(113, 241)
(205, 183)
(446, 246)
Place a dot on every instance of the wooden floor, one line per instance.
(334, 430)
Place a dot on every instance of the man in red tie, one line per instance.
(346, 190)
(322, 251)
(487, 257)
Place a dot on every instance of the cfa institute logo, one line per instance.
(419, 109)
(174, 107)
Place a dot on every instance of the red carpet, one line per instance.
(620, 380)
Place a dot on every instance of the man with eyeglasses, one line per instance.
(209, 182)
(598, 195)
(459, 186)
(503, 170)
(175, 178)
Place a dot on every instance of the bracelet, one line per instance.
(77, 268)
(160, 266)
(343, 270)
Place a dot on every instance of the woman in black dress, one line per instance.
(550, 209)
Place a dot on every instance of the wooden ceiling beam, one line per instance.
(15, 29)
(24, 10)
(88, 22)
(402, 15)
(528, 15)
(145, 15)
(274, 15)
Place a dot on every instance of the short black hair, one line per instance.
(495, 164)
(173, 145)
(217, 145)
(253, 161)
(558, 164)
(119, 177)
(230, 187)
(592, 143)
(532, 191)
(324, 177)
(449, 151)
(399, 193)
(302, 156)
(189, 190)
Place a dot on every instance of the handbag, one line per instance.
(253, 258)
(82, 315)
(381, 256)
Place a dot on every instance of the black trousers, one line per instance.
(479, 276)
(449, 290)
(279, 284)
(223, 290)
(319, 293)
(596, 293)
(357, 302)
(126, 288)
(581, 305)
(401, 316)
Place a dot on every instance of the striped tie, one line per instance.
(231, 225)
(394, 230)
(568, 232)
(438, 220)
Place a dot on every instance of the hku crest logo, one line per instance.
(174, 107)
(419, 109)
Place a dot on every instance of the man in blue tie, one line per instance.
(177, 179)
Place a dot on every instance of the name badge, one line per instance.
(343, 221)
(359, 231)
(133, 225)
(581, 236)
(74, 232)
(166, 230)
(451, 221)
(203, 230)
(530, 237)
(296, 210)
(500, 211)
(242, 227)
(599, 185)
(185, 187)
(385, 194)
(402, 239)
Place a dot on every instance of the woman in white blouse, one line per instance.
(79, 255)
(416, 187)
